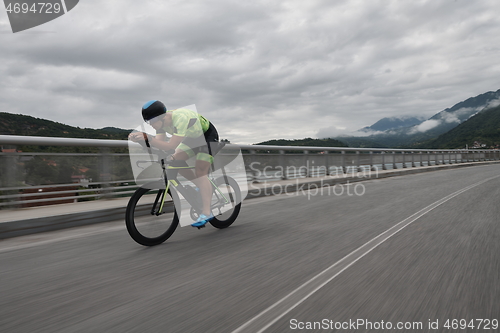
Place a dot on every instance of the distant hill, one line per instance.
(361, 142)
(17, 124)
(481, 129)
(328, 142)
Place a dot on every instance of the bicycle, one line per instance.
(152, 213)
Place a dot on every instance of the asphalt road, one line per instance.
(422, 248)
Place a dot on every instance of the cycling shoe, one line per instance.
(202, 220)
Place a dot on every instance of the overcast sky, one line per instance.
(259, 70)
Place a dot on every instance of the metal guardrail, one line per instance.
(263, 163)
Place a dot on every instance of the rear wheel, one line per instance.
(145, 223)
(226, 202)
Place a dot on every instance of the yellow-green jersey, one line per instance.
(197, 131)
(186, 123)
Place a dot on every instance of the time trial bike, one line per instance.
(153, 211)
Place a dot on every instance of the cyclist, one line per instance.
(191, 135)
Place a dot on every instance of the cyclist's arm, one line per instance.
(159, 142)
(161, 136)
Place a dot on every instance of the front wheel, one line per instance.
(226, 202)
(149, 222)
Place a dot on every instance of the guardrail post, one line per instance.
(254, 172)
(327, 163)
(282, 163)
(344, 169)
(9, 171)
(394, 166)
(421, 158)
(372, 168)
(384, 167)
(105, 176)
(404, 162)
(307, 159)
(413, 159)
(436, 158)
(358, 161)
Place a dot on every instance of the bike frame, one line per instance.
(179, 187)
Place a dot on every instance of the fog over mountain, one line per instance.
(392, 132)
(390, 123)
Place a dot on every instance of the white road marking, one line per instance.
(275, 312)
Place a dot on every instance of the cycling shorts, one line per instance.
(201, 146)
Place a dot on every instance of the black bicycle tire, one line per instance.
(132, 229)
(221, 224)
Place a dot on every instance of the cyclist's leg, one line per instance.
(198, 176)
(183, 153)
(203, 183)
(204, 161)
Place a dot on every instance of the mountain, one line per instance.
(328, 142)
(480, 131)
(391, 123)
(361, 142)
(433, 127)
(17, 124)
(450, 118)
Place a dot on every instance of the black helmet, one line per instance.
(153, 109)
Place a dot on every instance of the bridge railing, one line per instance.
(90, 169)
(292, 162)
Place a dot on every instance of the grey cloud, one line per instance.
(340, 65)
